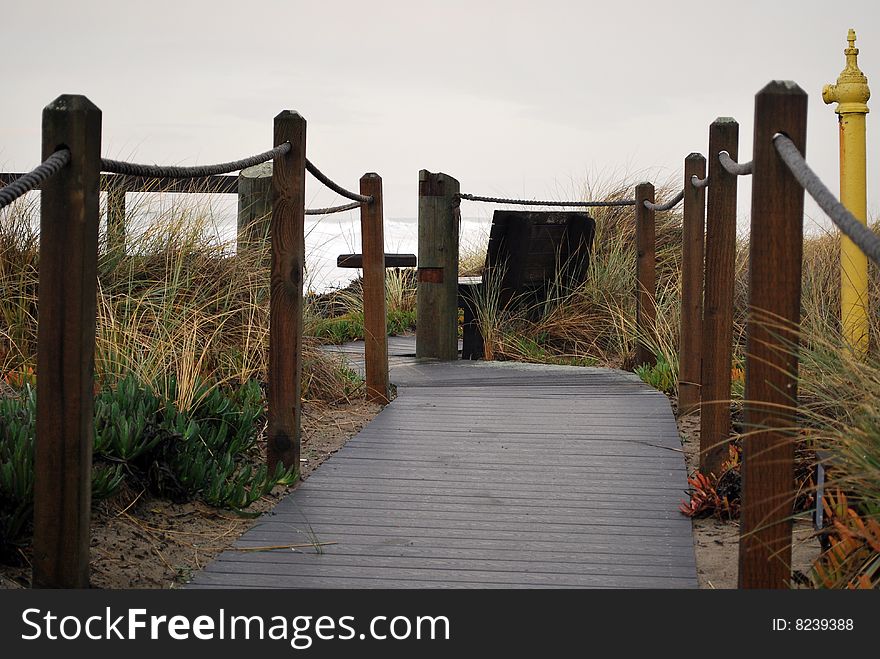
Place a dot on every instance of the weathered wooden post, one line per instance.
(116, 215)
(646, 310)
(375, 323)
(776, 247)
(437, 295)
(718, 298)
(286, 296)
(254, 206)
(69, 216)
(690, 344)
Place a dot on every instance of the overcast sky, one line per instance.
(515, 98)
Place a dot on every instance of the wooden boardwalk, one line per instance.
(487, 475)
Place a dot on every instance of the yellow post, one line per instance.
(851, 94)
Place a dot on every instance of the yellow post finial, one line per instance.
(851, 94)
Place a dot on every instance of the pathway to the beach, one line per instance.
(486, 475)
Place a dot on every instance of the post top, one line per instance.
(289, 114)
(72, 103)
(851, 51)
(782, 87)
(263, 170)
(695, 156)
(725, 120)
(851, 93)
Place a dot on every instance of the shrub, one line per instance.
(206, 452)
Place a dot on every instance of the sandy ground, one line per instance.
(716, 542)
(139, 541)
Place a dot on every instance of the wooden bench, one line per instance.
(391, 260)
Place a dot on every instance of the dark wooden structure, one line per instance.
(646, 276)
(529, 253)
(690, 344)
(775, 251)
(437, 293)
(66, 346)
(720, 277)
(471, 336)
(533, 250)
(375, 314)
(286, 299)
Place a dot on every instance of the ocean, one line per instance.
(326, 236)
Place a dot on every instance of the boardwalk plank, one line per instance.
(486, 475)
(513, 556)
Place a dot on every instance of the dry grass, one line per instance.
(175, 309)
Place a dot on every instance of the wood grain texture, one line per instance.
(375, 323)
(286, 297)
(254, 207)
(646, 278)
(690, 343)
(497, 492)
(718, 298)
(437, 294)
(69, 215)
(776, 247)
(116, 219)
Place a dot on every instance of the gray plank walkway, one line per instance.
(487, 475)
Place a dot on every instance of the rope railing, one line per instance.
(667, 205)
(334, 209)
(860, 234)
(698, 182)
(166, 171)
(732, 166)
(534, 202)
(33, 179)
(338, 189)
(170, 171)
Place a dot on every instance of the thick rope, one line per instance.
(338, 189)
(732, 166)
(161, 171)
(861, 235)
(532, 202)
(34, 178)
(698, 182)
(665, 207)
(333, 209)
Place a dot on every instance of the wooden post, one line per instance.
(286, 296)
(375, 322)
(437, 295)
(116, 216)
(69, 216)
(690, 343)
(776, 247)
(718, 300)
(254, 206)
(646, 310)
